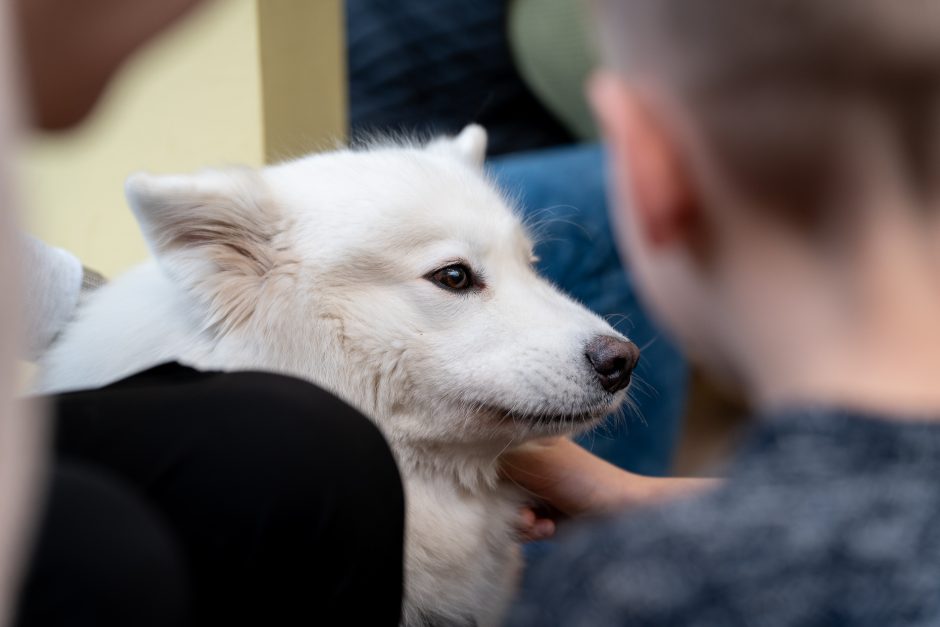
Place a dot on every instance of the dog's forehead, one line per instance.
(391, 197)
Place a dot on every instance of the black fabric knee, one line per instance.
(287, 502)
(102, 558)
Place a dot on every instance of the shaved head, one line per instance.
(696, 38)
(783, 92)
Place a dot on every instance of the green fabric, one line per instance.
(552, 51)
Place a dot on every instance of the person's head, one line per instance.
(764, 147)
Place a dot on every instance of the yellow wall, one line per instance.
(197, 97)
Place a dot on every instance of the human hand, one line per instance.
(569, 479)
(534, 525)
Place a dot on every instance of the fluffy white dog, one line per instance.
(398, 278)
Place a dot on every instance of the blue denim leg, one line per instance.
(562, 192)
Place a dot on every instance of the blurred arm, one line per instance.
(576, 482)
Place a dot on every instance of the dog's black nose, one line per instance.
(613, 360)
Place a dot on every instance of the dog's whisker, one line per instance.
(642, 386)
(649, 343)
(620, 318)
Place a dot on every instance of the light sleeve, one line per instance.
(51, 287)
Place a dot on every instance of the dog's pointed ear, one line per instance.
(213, 233)
(468, 146)
(471, 144)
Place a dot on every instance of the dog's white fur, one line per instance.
(317, 268)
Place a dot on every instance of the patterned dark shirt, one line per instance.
(827, 519)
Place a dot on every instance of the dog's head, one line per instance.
(396, 276)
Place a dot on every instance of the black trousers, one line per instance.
(188, 498)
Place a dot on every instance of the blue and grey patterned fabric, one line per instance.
(828, 519)
(433, 66)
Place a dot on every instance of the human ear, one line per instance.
(650, 178)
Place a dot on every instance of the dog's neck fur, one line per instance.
(473, 469)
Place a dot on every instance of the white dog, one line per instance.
(398, 278)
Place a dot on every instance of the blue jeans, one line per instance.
(562, 192)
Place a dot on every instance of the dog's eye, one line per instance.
(456, 277)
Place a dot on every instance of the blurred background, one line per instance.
(257, 81)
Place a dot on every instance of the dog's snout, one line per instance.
(613, 360)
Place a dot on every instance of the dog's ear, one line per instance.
(212, 232)
(471, 144)
(468, 146)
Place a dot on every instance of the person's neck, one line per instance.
(861, 333)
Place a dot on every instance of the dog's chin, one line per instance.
(548, 421)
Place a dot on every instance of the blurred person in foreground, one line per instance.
(776, 171)
(173, 497)
(20, 430)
